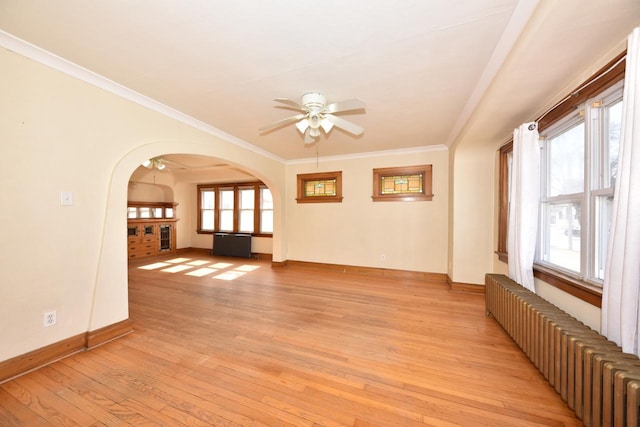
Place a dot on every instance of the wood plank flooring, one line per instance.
(233, 342)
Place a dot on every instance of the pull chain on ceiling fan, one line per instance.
(316, 114)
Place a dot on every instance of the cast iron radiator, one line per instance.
(230, 244)
(592, 374)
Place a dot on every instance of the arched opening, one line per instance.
(110, 299)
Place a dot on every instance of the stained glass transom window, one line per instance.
(320, 188)
(401, 184)
(404, 183)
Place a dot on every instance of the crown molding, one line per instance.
(369, 154)
(31, 51)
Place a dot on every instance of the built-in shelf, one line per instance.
(151, 229)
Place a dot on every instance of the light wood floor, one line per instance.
(290, 347)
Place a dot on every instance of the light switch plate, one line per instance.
(66, 198)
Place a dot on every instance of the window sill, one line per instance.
(403, 198)
(575, 287)
(231, 232)
(570, 285)
(323, 199)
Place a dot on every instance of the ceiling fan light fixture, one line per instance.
(326, 125)
(315, 115)
(154, 163)
(302, 125)
(315, 119)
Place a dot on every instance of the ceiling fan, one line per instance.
(315, 114)
(154, 163)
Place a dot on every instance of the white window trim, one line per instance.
(595, 167)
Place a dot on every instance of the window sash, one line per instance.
(266, 210)
(246, 212)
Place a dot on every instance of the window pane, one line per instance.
(207, 220)
(226, 220)
(168, 212)
(246, 221)
(266, 199)
(319, 188)
(604, 207)
(614, 121)
(561, 235)
(132, 212)
(566, 162)
(145, 212)
(208, 199)
(247, 199)
(266, 221)
(401, 184)
(226, 199)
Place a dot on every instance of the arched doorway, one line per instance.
(110, 299)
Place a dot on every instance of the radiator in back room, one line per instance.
(592, 374)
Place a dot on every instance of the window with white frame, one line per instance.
(246, 203)
(579, 167)
(226, 209)
(207, 209)
(266, 210)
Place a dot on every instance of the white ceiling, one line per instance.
(429, 71)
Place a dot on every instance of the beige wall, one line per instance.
(58, 133)
(472, 224)
(410, 235)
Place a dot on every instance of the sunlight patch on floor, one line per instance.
(177, 268)
(247, 267)
(199, 262)
(221, 265)
(229, 275)
(153, 266)
(178, 260)
(201, 272)
(201, 268)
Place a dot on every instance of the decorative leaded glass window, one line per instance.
(401, 184)
(409, 183)
(320, 187)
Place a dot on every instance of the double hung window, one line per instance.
(579, 167)
(580, 141)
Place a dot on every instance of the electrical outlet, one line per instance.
(49, 318)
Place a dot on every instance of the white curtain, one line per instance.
(620, 316)
(524, 204)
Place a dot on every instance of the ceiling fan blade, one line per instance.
(308, 139)
(282, 122)
(289, 102)
(344, 124)
(346, 105)
(175, 163)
